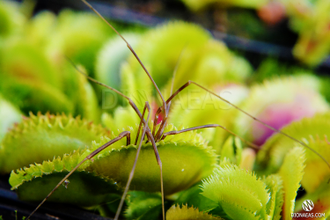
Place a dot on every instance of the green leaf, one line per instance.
(21, 60)
(87, 102)
(193, 197)
(185, 161)
(122, 117)
(278, 109)
(200, 4)
(307, 130)
(153, 49)
(136, 85)
(9, 115)
(142, 205)
(291, 172)
(34, 183)
(316, 170)
(183, 213)
(43, 137)
(197, 107)
(111, 57)
(240, 193)
(11, 19)
(275, 188)
(77, 42)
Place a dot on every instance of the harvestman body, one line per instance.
(154, 135)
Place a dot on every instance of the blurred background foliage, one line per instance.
(272, 63)
(40, 51)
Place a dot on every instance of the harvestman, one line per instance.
(155, 135)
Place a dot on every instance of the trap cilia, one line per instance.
(206, 172)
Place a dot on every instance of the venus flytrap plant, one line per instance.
(231, 151)
(9, 115)
(239, 194)
(23, 80)
(185, 212)
(293, 101)
(34, 182)
(40, 47)
(180, 173)
(143, 205)
(153, 50)
(291, 172)
(311, 22)
(198, 53)
(111, 57)
(315, 176)
(12, 19)
(86, 100)
(72, 39)
(200, 4)
(270, 157)
(274, 185)
(109, 62)
(47, 136)
(186, 161)
(197, 161)
(198, 107)
(235, 193)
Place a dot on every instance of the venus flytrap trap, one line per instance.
(40, 47)
(107, 169)
(109, 62)
(239, 194)
(315, 175)
(233, 191)
(197, 107)
(9, 115)
(311, 23)
(143, 205)
(47, 136)
(296, 98)
(291, 172)
(272, 153)
(193, 51)
(34, 183)
(185, 212)
(9, 10)
(197, 161)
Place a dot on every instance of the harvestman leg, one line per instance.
(148, 132)
(146, 106)
(208, 126)
(90, 156)
(131, 175)
(160, 109)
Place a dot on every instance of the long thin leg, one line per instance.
(140, 125)
(241, 110)
(90, 156)
(148, 132)
(209, 126)
(130, 48)
(161, 128)
(131, 175)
